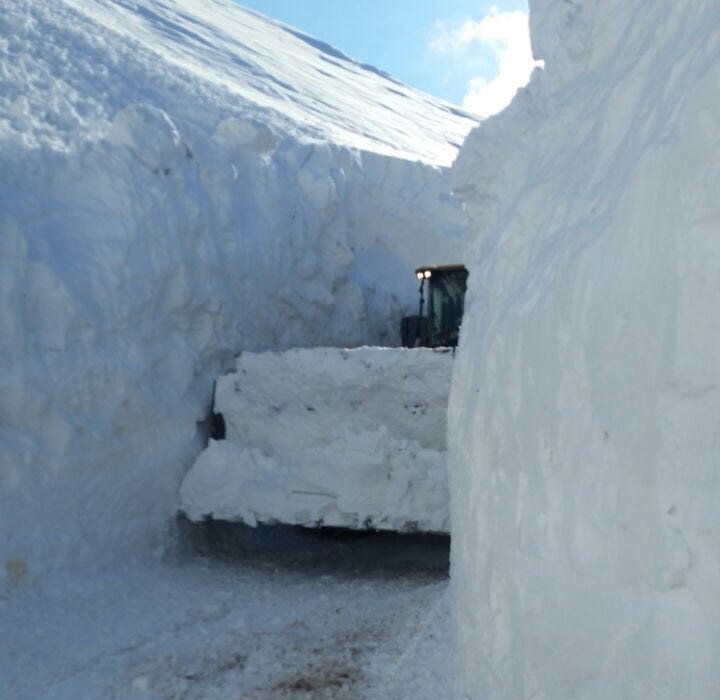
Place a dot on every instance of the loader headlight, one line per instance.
(419, 275)
(427, 274)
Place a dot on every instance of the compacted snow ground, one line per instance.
(241, 614)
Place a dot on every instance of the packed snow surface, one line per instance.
(583, 416)
(324, 436)
(181, 181)
(281, 615)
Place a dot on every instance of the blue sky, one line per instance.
(465, 51)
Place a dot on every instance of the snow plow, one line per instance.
(332, 437)
(440, 326)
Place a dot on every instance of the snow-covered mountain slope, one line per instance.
(180, 181)
(86, 57)
(583, 415)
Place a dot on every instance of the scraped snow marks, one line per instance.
(584, 411)
(324, 436)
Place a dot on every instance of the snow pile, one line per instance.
(343, 438)
(583, 416)
(181, 181)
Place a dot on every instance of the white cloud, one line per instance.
(507, 35)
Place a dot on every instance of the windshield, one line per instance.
(447, 297)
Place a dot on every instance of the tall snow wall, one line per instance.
(583, 419)
(153, 224)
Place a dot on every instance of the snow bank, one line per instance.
(342, 438)
(177, 185)
(583, 438)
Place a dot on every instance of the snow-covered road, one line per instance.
(257, 614)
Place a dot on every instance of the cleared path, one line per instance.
(240, 614)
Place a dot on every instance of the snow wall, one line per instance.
(327, 436)
(154, 222)
(583, 415)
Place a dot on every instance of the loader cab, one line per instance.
(442, 301)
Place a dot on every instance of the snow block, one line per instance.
(583, 420)
(326, 436)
